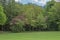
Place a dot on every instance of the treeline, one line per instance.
(16, 17)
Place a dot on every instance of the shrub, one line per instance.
(17, 27)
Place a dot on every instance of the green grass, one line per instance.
(31, 36)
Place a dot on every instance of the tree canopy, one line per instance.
(3, 17)
(30, 17)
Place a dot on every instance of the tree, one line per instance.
(3, 17)
(11, 9)
(34, 16)
(54, 15)
(48, 14)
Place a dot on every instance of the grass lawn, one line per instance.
(31, 36)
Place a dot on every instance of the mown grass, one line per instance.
(31, 36)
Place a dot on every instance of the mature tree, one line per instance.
(54, 15)
(34, 15)
(3, 17)
(49, 14)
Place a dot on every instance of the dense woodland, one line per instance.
(16, 17)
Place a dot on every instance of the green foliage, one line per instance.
(49, 5)
(41, 20)
(54, 16)
(3, 17)
(18, 27)
(56, 13)
(32, 15)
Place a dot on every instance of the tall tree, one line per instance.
(3, 17)
(48, 6)
(54, 15)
